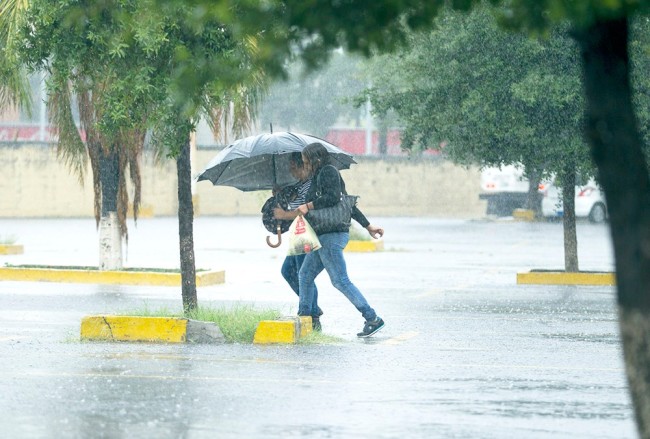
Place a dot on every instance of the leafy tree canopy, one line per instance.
(489, 96)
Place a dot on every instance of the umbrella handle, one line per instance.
(268, 239)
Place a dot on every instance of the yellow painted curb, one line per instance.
(150, 329)
(284, 330)
(305, 325)
(364, 246)
(11, 249)
(563, 278)
(203, 278)
(125, 328)
(523, 214)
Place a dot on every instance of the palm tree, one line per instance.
(123, 89)
(14, 89)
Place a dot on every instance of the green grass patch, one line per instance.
(238, 323)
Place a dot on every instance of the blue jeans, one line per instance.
(290, 269)
(330, 258)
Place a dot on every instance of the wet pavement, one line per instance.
(466, 353)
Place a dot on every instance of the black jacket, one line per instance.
(326, 188)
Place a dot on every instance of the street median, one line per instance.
(149, 329)
(550, 277)
(91, 275)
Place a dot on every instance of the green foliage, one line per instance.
(309, 28)
(639, 47)
(14, 88)
(539, 16)
(486, 96)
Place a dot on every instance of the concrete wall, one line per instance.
(36, 183)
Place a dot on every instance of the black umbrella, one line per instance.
(262, 161)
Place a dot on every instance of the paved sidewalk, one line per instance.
(466, 351)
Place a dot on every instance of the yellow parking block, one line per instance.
(128, 328)
(523, 214)
(284, 330)
(564, 278)
(11, 249)
(305, 325)
(364, 246)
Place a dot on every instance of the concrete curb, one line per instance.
(152, 278)
(149, 329)
(284, 330)
(563, 278)
(523, 215)
(11, 249)
(364, 246)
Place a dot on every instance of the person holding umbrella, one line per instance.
(325, 191)
(292, 264)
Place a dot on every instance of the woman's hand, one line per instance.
(375, 232)
(280, 213)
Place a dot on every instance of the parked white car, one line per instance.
(589, 201)
(504, 188)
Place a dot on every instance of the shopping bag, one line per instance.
(302, 238)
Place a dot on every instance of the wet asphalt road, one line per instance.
(466, 353)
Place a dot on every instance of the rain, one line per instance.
(428, 137)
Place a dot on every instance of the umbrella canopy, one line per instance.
(262, 161)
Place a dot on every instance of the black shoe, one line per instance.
(315, 324)
(371, 327)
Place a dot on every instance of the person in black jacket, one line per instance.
(297, 193)
(325, 191)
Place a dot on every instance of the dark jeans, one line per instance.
(290, 269)
(330, 258)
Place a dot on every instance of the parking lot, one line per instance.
(466, 351)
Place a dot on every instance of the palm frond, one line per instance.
(11, 13)
(14, 88)
(70, 146)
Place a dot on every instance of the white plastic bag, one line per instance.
(302, 238)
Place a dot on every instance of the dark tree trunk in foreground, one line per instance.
(616, 148)
(569, 221)
(185, 228)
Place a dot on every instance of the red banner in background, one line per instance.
(354, 141)
(27, 133)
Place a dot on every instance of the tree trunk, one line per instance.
(534, 198)
(616, 148)
(110, 239)
(569, 221)
(185, 227)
